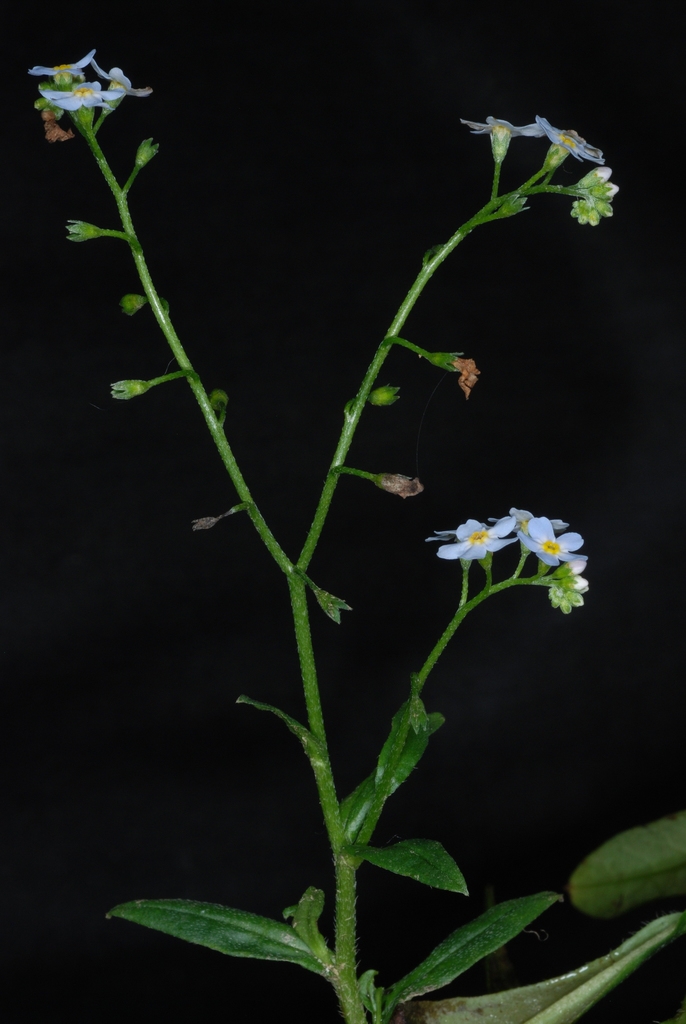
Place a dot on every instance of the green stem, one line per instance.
(214, 426)
(359, 472)
(354, 409)
(496, 178)
(465, 607)
(344, 975)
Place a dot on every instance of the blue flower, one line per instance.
(550, 549)
(522, 518)
(533, 130)
(475, 539)
(570, 141)
(120, 81)
(71, 69)
(88, 94)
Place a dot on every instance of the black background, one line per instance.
(309, 155)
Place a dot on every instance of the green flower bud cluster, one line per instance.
(596, 197)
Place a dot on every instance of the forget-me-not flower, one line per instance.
(120, 81)
(522, 518)
(570, 141)
(72, 69)
(533, 130)
(550, 549)
(475, 539)
(88, 94)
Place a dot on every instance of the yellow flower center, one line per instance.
(83, 92)
(568, 141)
(551, 547)
(62, 67)
(479, 537)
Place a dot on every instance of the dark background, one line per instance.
(309, 155)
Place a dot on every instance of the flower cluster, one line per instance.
(597, 196)
(69, 90)
(544, 537)
(568, 140)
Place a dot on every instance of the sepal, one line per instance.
(146, 151)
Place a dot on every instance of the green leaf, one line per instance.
(636, 866)
(305, 916)
(425, 860)
(468, 945)
(234, 932)
(313, 747)
(331, 605)
(559, 1000)
(355, 806)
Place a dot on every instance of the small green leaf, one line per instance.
(425, 860)
(305, 916)
(468, 945)
(636, 866)
(559, 1000)
(234, 932)
(331, 605)
(313, 747)
(369, 993)
(355, 806)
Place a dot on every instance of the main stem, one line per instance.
(344, 975)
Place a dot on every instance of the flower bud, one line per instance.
(125, 389)
(219, 401)
(131, 303)
(515, 204)
(564, 599)
(80, 231)
(556, 155)
(386, 395)
(146, 151)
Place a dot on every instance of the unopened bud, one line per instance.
(396, 483)
(386, 395)
(219, 401)
(131, 303)
(80, 231)
(129, 388)
(146, 151)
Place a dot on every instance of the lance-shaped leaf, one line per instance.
(636, 866)
(556, 1001)
(355, 806)
(425, 860)
(468, 945)
(305, 916)
(311, 744)
(234, 932)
